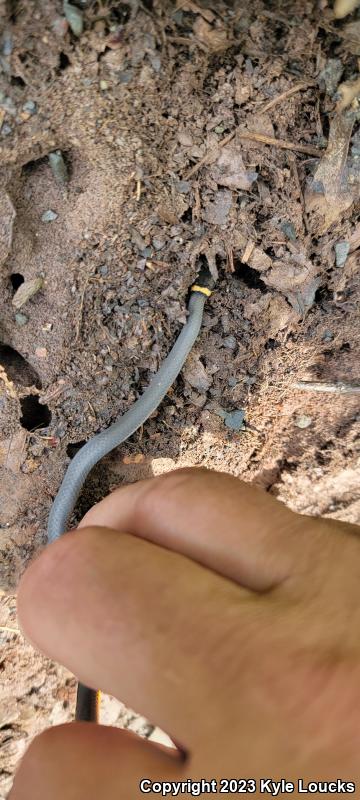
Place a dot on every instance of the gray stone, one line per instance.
(49, 216)
(21, 319)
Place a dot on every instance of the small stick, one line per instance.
(308, 149)
(334, 388)
(289, 92)
(204, 160)
(9, 630)
(263, 139)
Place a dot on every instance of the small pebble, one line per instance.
(30, 107)
(229, 342)
(341, 253)
(303, 421)
(234, 420)
(125, 77)
(289, 230)
(7, 45)
(183, 187)
(41, 352)
(219, 129)
(158, 243)
(60, 26)
(104, 85)
(6, 129)
(58, 166)
(103, 269)
(74, 17)
(49, 216)
(232, 382)
(327, 336)
(21, 319)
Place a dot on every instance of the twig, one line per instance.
(288, 93)
(208, 155)
(263, 139)
(334, 388)
(308, 149)
(9, 630)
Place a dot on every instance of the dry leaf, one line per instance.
(348, 92)
(330, 194)
(297, 279)
(26, 291)
(215, 39)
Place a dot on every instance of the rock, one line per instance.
(327, 336)
(183, 187)
(234, 420)
(6, 129)
(58, 166)
(30, 107)
(26, 291)
(195, 374)
(41, 352)
(49, 216)
(289, 230)
(341, 253)
(21, 319)
(229, 342)
(229, 169)
(74, 17)
(303, 421)
(103, 85)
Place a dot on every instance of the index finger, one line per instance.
(223, 523)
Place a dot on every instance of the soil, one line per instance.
(154, 108)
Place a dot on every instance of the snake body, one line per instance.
(102, 444)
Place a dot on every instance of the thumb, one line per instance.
(81, 761)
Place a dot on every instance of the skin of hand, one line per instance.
(223, 617)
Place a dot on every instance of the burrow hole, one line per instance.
(249, 276)
(16, 279)
(34, 414)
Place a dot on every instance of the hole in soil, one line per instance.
(121, 13)
(34, 415)
(16, 280)
(15, 80)
(187, 215)
(64, 61)
(31, 166)
(249, 276)
(345, 347)
(74, 448)
(272, 344)
(323, 294)
(17, 368)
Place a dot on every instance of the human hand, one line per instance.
(223, 617)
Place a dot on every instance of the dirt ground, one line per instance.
(221, 129)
